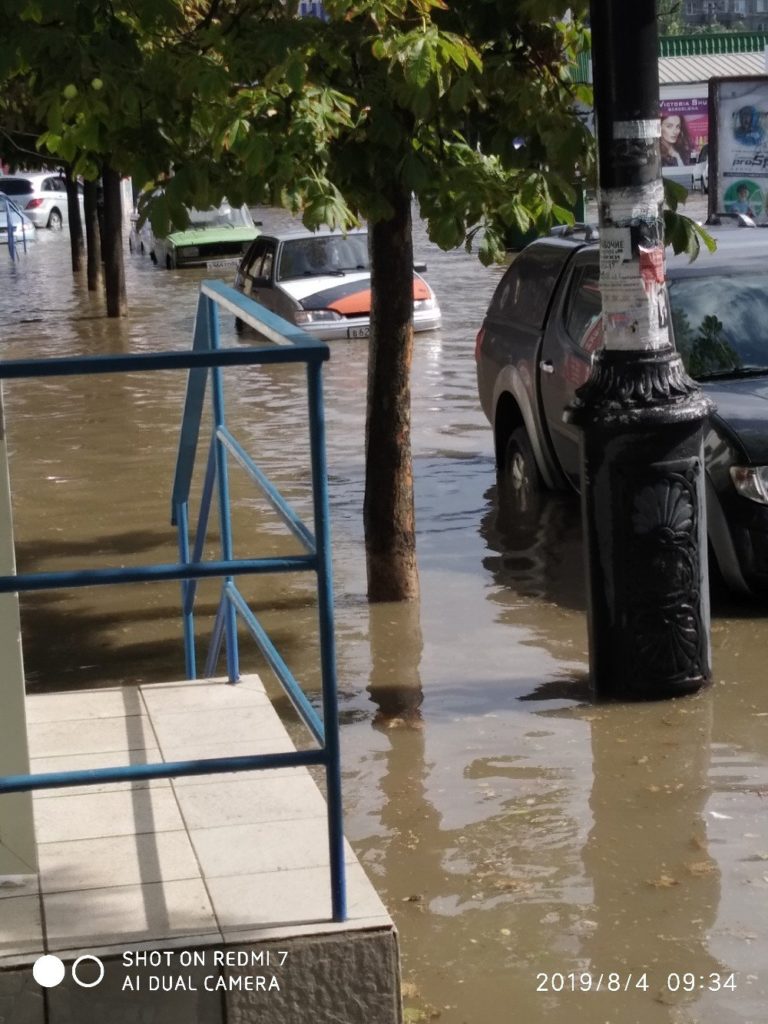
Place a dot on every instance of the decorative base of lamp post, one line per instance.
(642, 472)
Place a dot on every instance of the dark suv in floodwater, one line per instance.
(535, 349)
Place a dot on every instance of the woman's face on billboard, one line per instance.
(670, 129)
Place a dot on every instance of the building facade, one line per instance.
(751, 14)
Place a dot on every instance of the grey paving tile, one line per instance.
(108, 759)
(90, 815)
(116, 860)
(248, 802)
(131, 913)
(116, 702)
(276, 846)
(185, 751)
(203, 695)
(21, 928)
(18, 885)
(222, 726)
(281, 898)
(90, 736)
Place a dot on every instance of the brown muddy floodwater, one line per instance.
(531, 847)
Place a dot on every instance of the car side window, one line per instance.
(48, 185)
(525, 292)
(583, 315)
(267, 262)
(254, 259)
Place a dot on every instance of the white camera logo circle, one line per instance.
(49, 971)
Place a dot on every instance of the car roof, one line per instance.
(299, 233)
(737, 246)
(32, 175)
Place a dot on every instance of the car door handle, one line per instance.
(547, 366)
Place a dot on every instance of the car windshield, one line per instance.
(326, 254)
(721, 323)
(15, 186)
(224, 216)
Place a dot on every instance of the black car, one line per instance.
(535, 349)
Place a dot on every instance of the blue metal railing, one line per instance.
(13, 217)
(207, 357)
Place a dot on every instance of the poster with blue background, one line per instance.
(739, 116)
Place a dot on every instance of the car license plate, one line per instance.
(358, 332)
(222, 264)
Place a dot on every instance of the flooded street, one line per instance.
(531, 847)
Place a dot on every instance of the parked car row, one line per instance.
(319, 280)
(535, 348)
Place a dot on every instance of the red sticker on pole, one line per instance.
(652, 265)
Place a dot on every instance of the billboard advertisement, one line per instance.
(684, 131)
(739, 123)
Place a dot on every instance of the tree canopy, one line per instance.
(469, 105)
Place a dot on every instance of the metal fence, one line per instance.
(206, 363)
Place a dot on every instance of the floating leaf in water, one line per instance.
(663, 882)
(702, 867)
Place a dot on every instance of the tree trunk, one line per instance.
(388, 513)
(92, 235)
(76, 243)
(114, 271)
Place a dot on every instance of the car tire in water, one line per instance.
(520, 484)
(55, 220)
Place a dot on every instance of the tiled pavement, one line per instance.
(206, 860)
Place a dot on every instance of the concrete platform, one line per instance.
(189, 871)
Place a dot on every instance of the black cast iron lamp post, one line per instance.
(641, 416)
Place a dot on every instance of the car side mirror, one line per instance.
(420, 268)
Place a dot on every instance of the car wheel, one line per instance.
(55, 221)
(520, 483)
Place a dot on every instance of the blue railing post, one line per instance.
(222, 476)
(187, 613)
(322, 518)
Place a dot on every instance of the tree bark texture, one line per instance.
(76, 242)
(388, 513)
(114, 270)
(92, 235)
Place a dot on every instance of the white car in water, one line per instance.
(321, 281)
(42, 195)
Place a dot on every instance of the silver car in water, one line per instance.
(42, 195)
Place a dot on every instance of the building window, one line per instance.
(739, 6)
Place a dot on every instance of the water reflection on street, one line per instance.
(522, 838)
